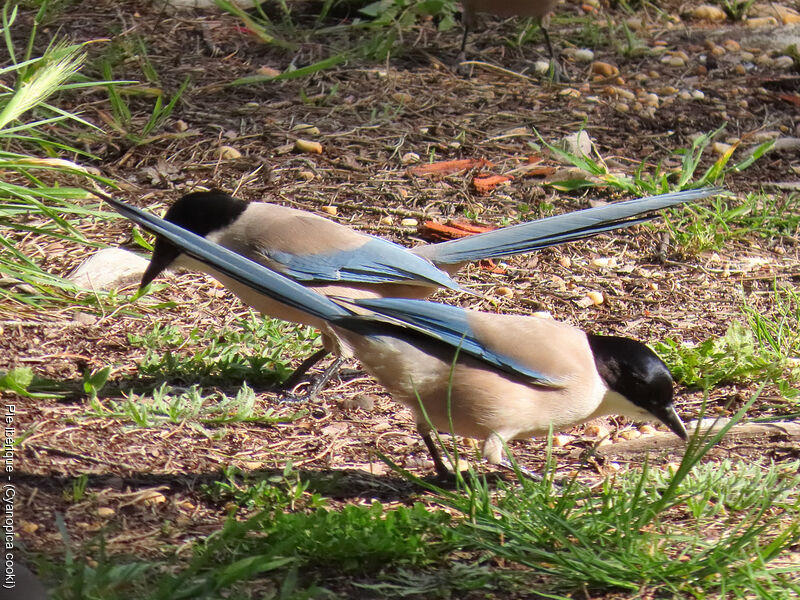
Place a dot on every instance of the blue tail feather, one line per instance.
(558, 229)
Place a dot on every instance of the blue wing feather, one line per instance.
(449, 324)
(377, 261)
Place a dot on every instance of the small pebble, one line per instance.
(650, 99)
(759, 137)
(228, 153)
(409, 223)
(764, 60)
(410, 158)
(306, 129)
(402, 98)
(541, 67)
(788, 16)
(362, 401)
(619, 92)
(709, 12)
(561, 440)
(308, 146)
(698, 95)
(720, 148)
(578, 143)
(756, 22)
(596, 298)
(604, 69)
(152, 498)
(718, 51)
(596, 430)
(783, 62)
(107, 269)
(635, 23)
(622, 107)
(330, 210)
(674, 61)
(747, 56)
(267, 71)
(28, 527)
(583, 55)
(731, 45)
(604, 262)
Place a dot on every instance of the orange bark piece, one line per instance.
(448, 167)
(488, 264)
(452, 230)
(539, 172)
(791, 98)
(484, 184)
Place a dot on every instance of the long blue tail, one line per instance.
(568, 227)
(238, 267)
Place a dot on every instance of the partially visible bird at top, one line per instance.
(539, 9)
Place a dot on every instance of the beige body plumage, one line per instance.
(475, 399)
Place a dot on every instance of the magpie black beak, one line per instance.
(670, 418)
(164, 254)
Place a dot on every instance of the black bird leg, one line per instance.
(317, 382)
(442, 472)
(300, 372)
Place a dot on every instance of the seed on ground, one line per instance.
(228, 153)
(707, 12)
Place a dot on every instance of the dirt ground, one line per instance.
(369, 117)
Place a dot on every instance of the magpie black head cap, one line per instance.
(200, 213)
(634, 371)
